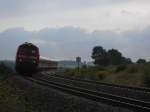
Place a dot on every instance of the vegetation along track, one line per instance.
(94, 95)
(125, 91)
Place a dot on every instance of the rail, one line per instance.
(115, 100)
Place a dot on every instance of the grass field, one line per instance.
(11, 99)
(130, 75)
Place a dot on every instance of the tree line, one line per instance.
(110, 57)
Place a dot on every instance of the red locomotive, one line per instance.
(28, 60)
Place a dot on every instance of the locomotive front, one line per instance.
(27, 58)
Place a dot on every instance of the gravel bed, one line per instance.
(44, 99)
(145, 96)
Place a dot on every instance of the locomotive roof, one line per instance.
(26, 44)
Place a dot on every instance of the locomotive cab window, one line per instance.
(27, 51)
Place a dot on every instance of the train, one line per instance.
(29, 61)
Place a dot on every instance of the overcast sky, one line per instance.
(124, 25)
(117, 15)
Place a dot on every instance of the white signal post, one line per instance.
(78, 61)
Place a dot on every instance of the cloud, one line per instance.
(118, 15)
(38, 42)
(69, 42)
(120, 24)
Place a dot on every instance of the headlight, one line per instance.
(34, 61)
(20, 60)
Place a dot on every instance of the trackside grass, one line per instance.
(11, 99)
(131, 75)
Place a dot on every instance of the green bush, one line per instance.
(13, 99)
(92, 73)
(132, 69)
(147, 75)
(120, 68)
(70, 72)
(102, 74)
(4, 71)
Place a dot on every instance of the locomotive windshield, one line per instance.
(27, 51)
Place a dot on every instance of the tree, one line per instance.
(126, 60)
(110, 57)
(100, 56)
(114, 56)
(141, 61)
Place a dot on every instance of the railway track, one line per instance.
(124, 91)
(142, 89)
(137, 105)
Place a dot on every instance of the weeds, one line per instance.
(130, 75)
(120, 68)
(147, 75)
(132, 69)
